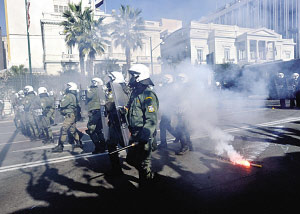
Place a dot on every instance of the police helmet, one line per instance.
(117, 77)
(168, 78)
(72, 86)
(51, 93)
(280, 75)
(28, 88)
(97, 81)
(295, 75)
(139, 74)
(42, 90)
(20, 93)
(182, 77)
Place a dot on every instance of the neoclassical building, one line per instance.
(217, 44)
(282, 16)
(49, 52)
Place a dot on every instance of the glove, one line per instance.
(123, 110)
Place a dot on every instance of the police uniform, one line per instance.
(94, 124)
(166, 116)
(114, 127)
(281, 89)
(20, 119)
(1, 107)
(142, 120)
(32, 108)
(45, 120)
(68, 107)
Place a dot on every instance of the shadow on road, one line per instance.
(5, 149)
(277, 135)
(222, 187)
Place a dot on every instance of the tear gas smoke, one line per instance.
(200, 101)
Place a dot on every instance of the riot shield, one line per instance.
(104, 118)
(121, 100)
(57, 116)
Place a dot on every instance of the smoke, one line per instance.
(202, 104)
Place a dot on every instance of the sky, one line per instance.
(184, 10)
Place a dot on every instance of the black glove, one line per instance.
(122, 110)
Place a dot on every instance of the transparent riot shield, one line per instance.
(104, 118)
(121, 100)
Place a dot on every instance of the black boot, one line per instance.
(77, 144)
(183, 150)
(58, 148)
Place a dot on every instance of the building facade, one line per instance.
(282, 16)
(218, 44)
(2, 52)
(49, 52)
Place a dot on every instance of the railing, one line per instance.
(62, 57)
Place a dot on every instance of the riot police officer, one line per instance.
(32, 108)
(47, 104)
(281, 88)
(294, 84)
(68, 108)
(166, 116)
(181, 129)
(115, 134)
(142, 120)
(1, 108)
(20, 120)
(94, 124)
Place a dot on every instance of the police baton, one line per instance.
(126, 147)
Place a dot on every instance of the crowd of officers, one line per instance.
(284, 87)
(34, 115)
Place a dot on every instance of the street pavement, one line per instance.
(34, 180)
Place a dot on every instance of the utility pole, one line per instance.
(151, 55)
(28, 41)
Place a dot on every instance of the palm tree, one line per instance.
(127, 30)
(82, 30)
(18, 74)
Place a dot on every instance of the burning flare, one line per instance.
(243, 163)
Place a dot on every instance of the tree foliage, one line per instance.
(82, 30)
(127, 30)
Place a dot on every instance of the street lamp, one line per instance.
(151, 51)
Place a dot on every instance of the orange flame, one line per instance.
(243, 163)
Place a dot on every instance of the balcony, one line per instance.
(51, 58)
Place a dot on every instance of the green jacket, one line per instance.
(31, 102)
(68, 104)
(92, 99)
(143, 107)
(47, 104)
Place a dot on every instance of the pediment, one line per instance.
(263, 32)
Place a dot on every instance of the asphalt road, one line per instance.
(34, 180)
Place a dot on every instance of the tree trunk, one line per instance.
(128, 57)
(81, 63)
(128, 64)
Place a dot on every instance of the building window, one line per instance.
(227, 54)
(287, 54)
(200, 55)
(61, 9)
(56, 8)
